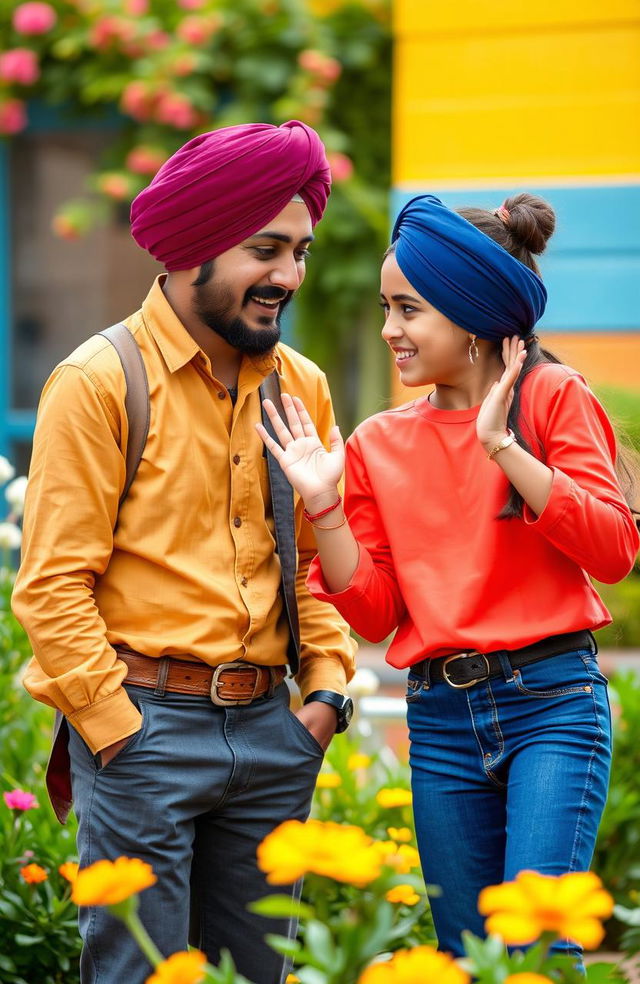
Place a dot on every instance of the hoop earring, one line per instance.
(473, 351)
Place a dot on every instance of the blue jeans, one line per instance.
(193, 793)
(507, 775)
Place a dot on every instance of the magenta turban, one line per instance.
(223, 186)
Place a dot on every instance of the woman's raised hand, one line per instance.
(313, 471)
(491, 425)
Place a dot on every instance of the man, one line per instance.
(130, 610)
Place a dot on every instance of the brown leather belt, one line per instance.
(228, 685)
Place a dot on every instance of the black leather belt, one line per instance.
(462, 670)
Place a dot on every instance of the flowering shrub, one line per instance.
(175, 68)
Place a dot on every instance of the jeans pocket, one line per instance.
(131, 744)
(414, 688)
(555, 676)
(304, 733)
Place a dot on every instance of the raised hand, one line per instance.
(491, 425)
(313, 471)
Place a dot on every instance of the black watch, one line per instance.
(343, 705)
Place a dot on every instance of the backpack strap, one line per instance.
(136, 403)
(283, 515)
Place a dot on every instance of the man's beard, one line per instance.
(213, 304)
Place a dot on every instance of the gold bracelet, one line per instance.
(336, 527)
(504, 443)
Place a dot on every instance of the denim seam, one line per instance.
(94, 912)
(488, 772)
(589, 779)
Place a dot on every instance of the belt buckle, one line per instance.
(471, 683)
(216, 683)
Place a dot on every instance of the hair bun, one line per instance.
(531, 221)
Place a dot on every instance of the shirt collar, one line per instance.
(174, 341)
(172, 338)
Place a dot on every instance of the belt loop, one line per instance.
(427, 675)
(506, 666)
(163, 673)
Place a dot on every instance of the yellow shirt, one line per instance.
(191, 568)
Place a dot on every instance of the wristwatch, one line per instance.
(343, 705)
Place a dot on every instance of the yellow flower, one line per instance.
(181, 968)
(69, 870)
(403, 893)
(358, 761)
(422, 965)
(110, 882)
(401, 857)
(292, 979)
(388, 798)
(337, 851)
(571, 905)
(33, 874)
(328, 780)
(400, 834)
(527, 978)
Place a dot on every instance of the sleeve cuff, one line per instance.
(322, 673)
(557, 504)
(108, 720)
(356, 587)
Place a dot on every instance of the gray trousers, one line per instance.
(193, 793)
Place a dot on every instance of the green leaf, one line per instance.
(282, 906)
(23, 940)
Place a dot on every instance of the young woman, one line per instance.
(473, 519)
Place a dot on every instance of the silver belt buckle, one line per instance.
(216, 682)
(471, 683)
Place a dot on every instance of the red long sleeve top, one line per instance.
(438, 566)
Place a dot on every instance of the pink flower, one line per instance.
(184, 64)
(138, 101)
(114, 185)
(17, 799)
(34, 18)
(136, 8)
(146, 160)
(325, 68)
(175, 110)
(157, 40)
(19, 65)
(109, 31)
(341, 166)
(13, 116)
(197, 30)
(191, 4)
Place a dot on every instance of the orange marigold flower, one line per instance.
(334, 850)
(406, 894)
(110, 882)
(328, 780)
(423, 964)
(33, 874)
(527, 978)
(571, 905)
(181, 968)
(69, 870)
(388, 798)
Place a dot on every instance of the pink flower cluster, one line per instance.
(143, 102)
(34, 18)
(18, 799)
(324, 68)
(13, 116)
(19, 65)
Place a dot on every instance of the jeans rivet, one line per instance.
(587, 690)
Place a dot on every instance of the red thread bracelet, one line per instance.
(323, 512)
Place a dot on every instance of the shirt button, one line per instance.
(221, 394)
(237, 522)
(236, 459)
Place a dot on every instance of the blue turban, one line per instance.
(465, 274)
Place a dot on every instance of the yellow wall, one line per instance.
(487, 89)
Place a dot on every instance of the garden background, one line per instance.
(471, 102)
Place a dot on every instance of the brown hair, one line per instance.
(522, 225)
